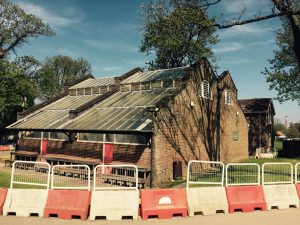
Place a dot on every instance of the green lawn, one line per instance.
(4, 179)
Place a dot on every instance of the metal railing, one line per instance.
(30, 174)
(115, 177)
(205, 173)
(242, 174)
(71, 177)
(297, 173)
(277, 173)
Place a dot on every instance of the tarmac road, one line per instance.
(274, 217)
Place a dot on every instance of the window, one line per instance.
(131, 139)
(32, 134)
(135, 87)
(103, 89)
(156, 84)
(80, 91)
(145, 86)
(72, 92)
(168, 83)
(227, 97)
(58, 136)
(205, 90)
(95, 90)
(87, 91)
(90, 137)
(125, 87)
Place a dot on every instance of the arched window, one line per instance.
(227, 97)
(205, 90)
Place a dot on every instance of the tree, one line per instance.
(17, 27)
(293, 132)
(17, 92)
(178, 31)
(284, 73)
(280, 127)
(57, 71)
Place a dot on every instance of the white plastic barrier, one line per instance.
(115, 194)
(277, 180)
(27, 202)
(206, 200)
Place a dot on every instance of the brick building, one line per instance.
(157, 120)
(260, 114)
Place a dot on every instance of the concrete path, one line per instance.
(274, 217)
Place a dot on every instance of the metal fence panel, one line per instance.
(30, 173)
(205, 173)
(115, 177)
(297, 173)
(242, 174)
(71, 177)
(277, 173)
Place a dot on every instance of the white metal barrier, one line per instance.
(115, 177)
(277, 173)
(71, 177)
(205, 173)
(242, 174)
(30, 173)
(297, 173)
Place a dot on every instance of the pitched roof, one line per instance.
(257, 105)
(124, 111)
(153, 75)
(95, 82)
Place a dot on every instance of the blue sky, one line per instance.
(107, 34)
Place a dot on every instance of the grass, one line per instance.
(4, 179)
(278, 145)
(262, 161)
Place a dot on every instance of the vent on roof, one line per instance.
(135, 87)
(103, 89)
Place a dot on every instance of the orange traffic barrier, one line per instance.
(245, 198)
(298, 190)
(163, 203)
(68, 204)
(3, 193)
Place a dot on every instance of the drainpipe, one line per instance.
(41, 145)
(152, 161)
(219, 124)
(259, 120)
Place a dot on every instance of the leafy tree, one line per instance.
(280, 127)
(57, 71)
(283, 74)
(17, 27)
(177, 31)
(293, 132)
(17, 92)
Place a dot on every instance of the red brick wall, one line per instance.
(184, 132)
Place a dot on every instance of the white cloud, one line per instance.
(247, 29)
(235, 6)
(235, 61)
(111, 68)
(228, 47)
(112, 46)
(47, 16)
(263, 43)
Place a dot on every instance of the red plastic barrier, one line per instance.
(298, 190)
(66, 204)
(3, 193)
(163, 203)
(246, 198)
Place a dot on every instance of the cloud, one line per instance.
(263, 43)
(50, 17)
(247, 29)
(228, 47)
(235, 6)
(118, 46)
(233, 61)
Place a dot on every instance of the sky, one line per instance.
(108, 34)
